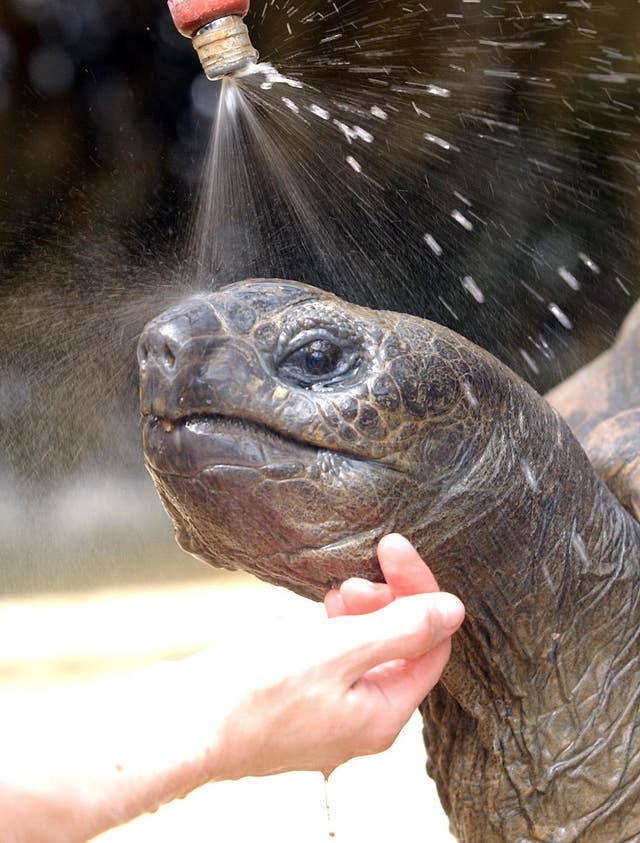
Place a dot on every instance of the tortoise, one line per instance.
(287, 431)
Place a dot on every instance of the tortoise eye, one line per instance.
(319, 357)
(318, 363)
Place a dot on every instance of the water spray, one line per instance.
(218, 33)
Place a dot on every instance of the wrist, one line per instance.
(200, 708)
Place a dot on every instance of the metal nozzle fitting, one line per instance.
(223, 47)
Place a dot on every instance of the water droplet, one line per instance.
(347, 131)
(568, 278)
(561, 316)
(319, 112)
(531, 363)
(464, 222)
(622, 286)
(351, 161)
(448, 307)
(472, 288)
(433, 244)
(586, 260)
(462, 198)
(437, 91)
(361, 133)
(438, 141)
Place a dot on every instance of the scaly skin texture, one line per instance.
(287, 431)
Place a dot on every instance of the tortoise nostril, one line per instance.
(168, 357)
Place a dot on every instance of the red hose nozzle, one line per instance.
(218, 32)
(191, 15)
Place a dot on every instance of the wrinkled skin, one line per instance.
(287, 431)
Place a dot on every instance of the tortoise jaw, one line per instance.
(191, 444)
(169, 436)
(244, 497)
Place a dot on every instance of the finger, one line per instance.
(405, 629)
(403, 567)
(360, 596)
(404, 686)
(333, 604)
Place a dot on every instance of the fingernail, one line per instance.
(451, 610)
(334, 604)
(396, 540)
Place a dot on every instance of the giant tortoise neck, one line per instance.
(545, 665)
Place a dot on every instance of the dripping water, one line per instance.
(331, 831)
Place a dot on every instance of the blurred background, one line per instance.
(473, 163)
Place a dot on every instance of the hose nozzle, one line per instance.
(218, 33)
(224, 46)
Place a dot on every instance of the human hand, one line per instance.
(404, 571)
(316, 697)
(298, 697)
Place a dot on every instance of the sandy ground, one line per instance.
(380, 798)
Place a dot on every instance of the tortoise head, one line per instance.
(287, 430)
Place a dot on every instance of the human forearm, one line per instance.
(80, 759)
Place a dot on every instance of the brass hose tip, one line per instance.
(224, 47)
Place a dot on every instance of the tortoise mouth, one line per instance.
(198, 442)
